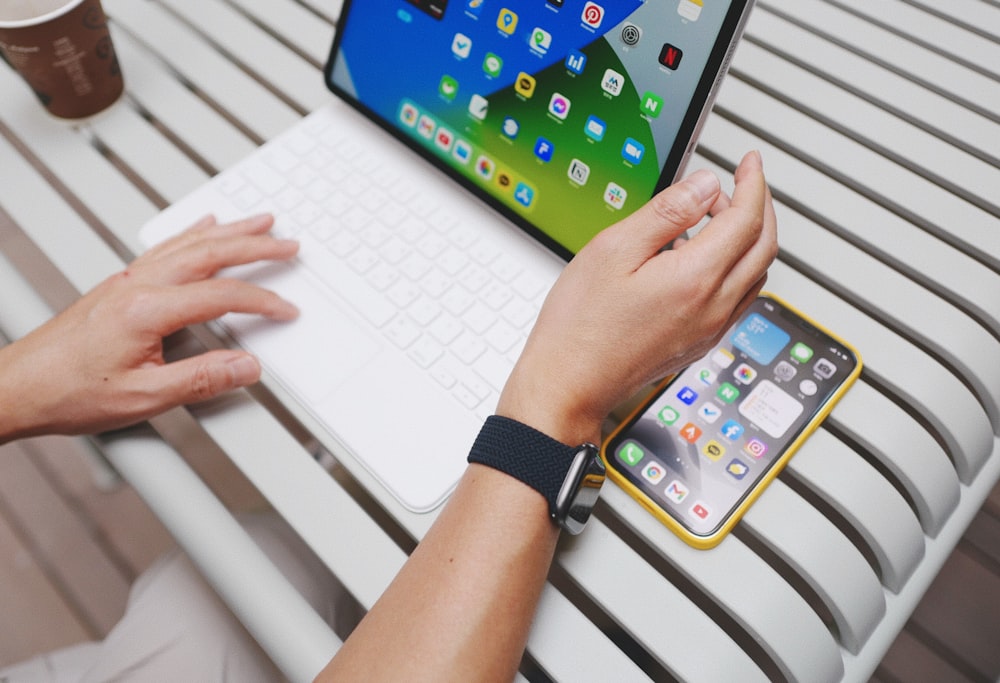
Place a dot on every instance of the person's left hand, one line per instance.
(99, 364)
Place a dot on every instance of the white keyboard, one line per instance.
(457, 305)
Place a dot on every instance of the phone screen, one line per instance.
(718, 429)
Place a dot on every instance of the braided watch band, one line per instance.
(524, 453)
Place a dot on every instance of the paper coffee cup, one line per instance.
(63, 50)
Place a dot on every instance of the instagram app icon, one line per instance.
(756, 447)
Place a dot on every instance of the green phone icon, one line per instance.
(669, 415)
(492, 65)
(630, 453)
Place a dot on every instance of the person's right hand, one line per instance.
(624, 312)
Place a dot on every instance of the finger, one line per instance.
(172, 308)
(197, 378)
(206, 257)
(664, 217)
(208, 228)
(732, 231)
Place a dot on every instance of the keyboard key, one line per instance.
(351, 287)
(402, 331)
(426, 352)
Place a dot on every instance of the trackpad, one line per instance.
(316, 352)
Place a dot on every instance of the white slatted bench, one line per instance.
(880, 128)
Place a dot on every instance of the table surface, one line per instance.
(879, 124)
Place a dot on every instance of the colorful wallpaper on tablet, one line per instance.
(565, 111)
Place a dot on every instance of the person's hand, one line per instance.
(624, 313)
(99, 364)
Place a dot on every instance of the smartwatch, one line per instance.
(569, 477)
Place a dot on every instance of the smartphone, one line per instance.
(707, 442)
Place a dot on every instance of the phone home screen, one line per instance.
(564, 112)
(719, 427)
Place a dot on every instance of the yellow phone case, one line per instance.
(712, 540)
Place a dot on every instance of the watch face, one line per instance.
(580, 489)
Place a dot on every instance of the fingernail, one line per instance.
(245, 370)
(705, 183)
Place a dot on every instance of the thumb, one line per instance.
(205, 376)
(669, 213)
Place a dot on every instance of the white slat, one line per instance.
(203, 66)
(930, 30)
(925, 65)
(872, 506)
(905, 449)
(890, 89)
(326, 8)
(835, 569)
(971, 227)
(895, 241)
(155, 87)
(249, 45)
(862, 120)
(982, 15)
(668, 625)
(296, 25)
(749, 590)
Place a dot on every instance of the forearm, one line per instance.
(462, 606)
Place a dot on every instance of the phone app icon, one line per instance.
(426, 127)
(633, 151)
(461, 45)
(612, 83)
(507, 21)
(714, 450)
(701, 511)
(687, 396)
(727, 393)
(676, 491)
(559, 106)
(556, 3)
(462, 151)
(669, 415)
(755, 447)
(808, 387)
(737, 469)
(524, 195)
(653, 473)
(709, 412)
(492, 65)
(444, 139)
(541, 41)
(448, 88)
(631, 453)
(723, 358)
(745, 374)
(525, 85)
(615, 195)
(544, 150)
(690, 9)
(595, 128)
(690, 433)
(474, 6)
(732, 430)
(785, 371)
(651, 104)
(479, 106)
(593, 15)
(485, 168)
(802, 353)
(578, 172)
(510, 128)
(631, 34)
(706, 376)
(503, 180)
(576, 61)
(671, 56)
(825, 368)
(408, 115)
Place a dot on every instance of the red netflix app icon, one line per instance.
(670, 56)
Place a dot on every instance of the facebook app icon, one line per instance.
(543, 150)
(575, 61)
(732, 430)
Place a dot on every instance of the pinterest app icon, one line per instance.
(593, 15)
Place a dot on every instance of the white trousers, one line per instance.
(175, 627)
